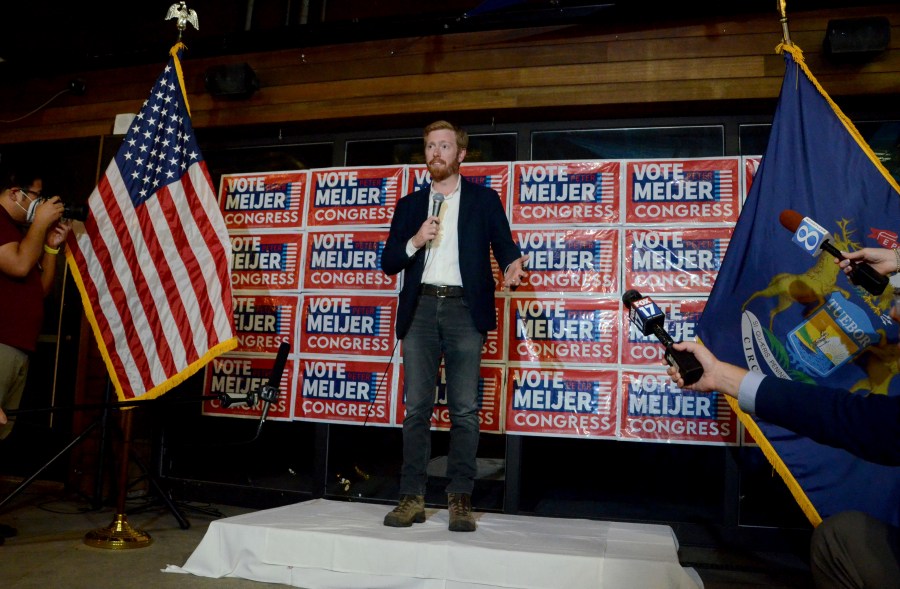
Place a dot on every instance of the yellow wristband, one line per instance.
(50, 250)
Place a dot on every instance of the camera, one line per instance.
(75, 212)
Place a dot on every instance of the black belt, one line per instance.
(437, 290)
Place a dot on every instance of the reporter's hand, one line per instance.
(883, 260)
(717, 375)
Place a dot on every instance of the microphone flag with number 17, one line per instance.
(778, 310)
(152, 260)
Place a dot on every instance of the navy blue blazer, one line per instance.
(482, 227)
(867, 426)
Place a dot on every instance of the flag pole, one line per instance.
(785, 33)
(119, 534)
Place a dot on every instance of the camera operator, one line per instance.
(31, 236)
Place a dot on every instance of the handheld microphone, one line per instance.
(813, 238)
(650, 319)
(438, 199)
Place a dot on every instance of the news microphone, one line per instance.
(813, 238)
(650, 319)
(438, 199)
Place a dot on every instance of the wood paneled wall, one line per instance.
(596, 67)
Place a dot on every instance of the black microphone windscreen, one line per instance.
(630, 297)
(278, 367)
(438, 199)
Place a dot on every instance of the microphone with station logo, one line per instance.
(650, 319)
(813, 238)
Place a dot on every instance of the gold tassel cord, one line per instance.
(174, 53)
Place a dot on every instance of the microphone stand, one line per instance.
(268, 393)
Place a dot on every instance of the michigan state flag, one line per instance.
(777, 309)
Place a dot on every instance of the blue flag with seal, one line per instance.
(779, 308)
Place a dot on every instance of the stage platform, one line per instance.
(322, 544)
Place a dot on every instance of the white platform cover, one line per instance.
(323, 544)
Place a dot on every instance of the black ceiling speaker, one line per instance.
(861, 38)
(236, 80)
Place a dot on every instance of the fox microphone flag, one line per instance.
(650, 319)
(795, 316)
(152, 260)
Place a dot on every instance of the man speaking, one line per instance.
(441, 238)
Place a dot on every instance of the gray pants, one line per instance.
(441, 327)
(13, 373)
(854, 550)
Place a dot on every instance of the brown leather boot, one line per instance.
(461, 517)
(411, 509)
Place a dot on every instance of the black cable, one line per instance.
(28, 114)
(383, 379)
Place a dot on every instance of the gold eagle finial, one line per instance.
(184, 15)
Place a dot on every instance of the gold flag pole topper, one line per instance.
(119, 534)
(782, 10)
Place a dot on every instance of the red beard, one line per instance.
(439, 170)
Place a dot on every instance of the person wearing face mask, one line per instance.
(31, 236)
(441, 238)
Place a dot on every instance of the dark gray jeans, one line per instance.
(441, 327)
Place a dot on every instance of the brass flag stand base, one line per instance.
(118, 535)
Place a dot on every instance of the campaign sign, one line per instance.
(263, 201)
(265, 262)
(342, 197)
(682, 316)
(237, 377)
(553, 193)
(750, 166)
(561, 401)
(263, 322)
(494, 176)
(346, 260)
(344, 391)
(682, 191)
(554, 330)
(680, 261)
(490, 400)
(348, 324)
(655, 409)
(570, 260)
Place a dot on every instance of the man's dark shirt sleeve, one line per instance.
(868, 426)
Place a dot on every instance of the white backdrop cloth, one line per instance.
(321, 544)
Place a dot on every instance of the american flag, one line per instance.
(152, 259)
